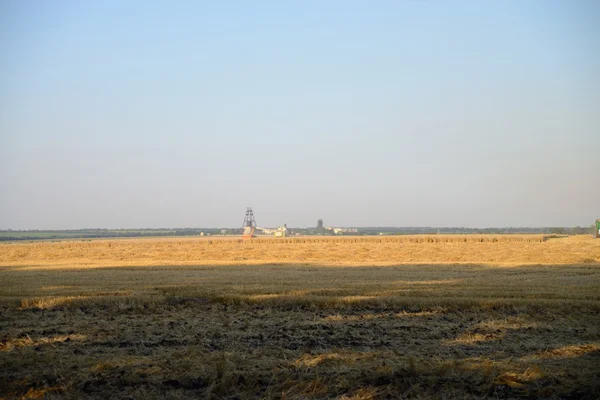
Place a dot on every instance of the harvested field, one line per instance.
(405, 317)
(493, 249)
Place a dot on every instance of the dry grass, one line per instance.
(480, 249)
(353, 318)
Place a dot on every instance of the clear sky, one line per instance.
(401, 113)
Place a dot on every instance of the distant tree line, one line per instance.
(12, 235)
(578, 230)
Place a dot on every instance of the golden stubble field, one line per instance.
(333, 251)
(367, 317)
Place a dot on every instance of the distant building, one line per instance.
(337, 231)
(282, 231)
(320, 230)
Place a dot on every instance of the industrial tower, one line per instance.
(249, 225)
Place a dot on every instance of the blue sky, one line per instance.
(399, 113)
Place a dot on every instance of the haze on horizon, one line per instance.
(416, 113)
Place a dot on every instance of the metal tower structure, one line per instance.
(249, 225)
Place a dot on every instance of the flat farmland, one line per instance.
(440, 316)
